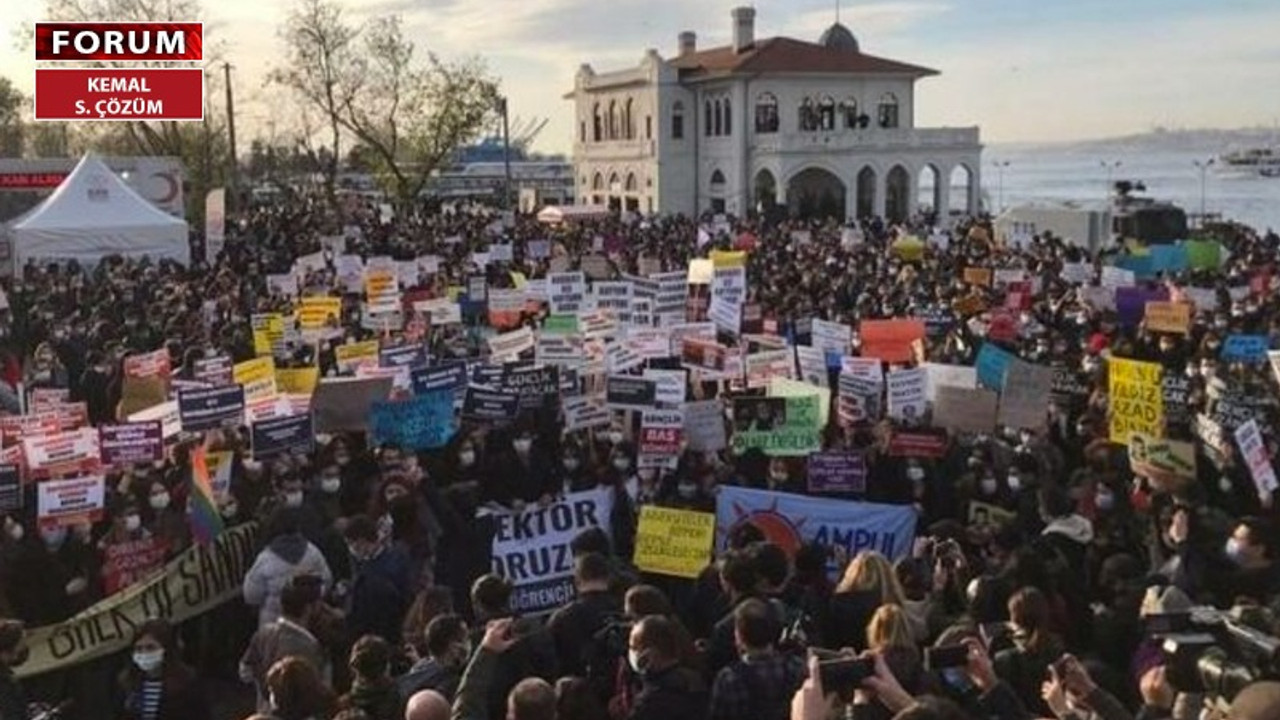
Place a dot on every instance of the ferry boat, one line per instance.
(1264, 161)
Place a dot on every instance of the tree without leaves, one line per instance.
(11, 125)
(321, 49)
(412, 118)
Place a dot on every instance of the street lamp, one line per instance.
(1110, 167)
(1203, 167)
(1000, 166)
(506, 152)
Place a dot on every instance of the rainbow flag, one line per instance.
(202, 510)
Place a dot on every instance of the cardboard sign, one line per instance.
(890, 340)
(704, 426)
(297, 381)
(965, 410)
(907, 389)
(837, 472)
(1170, 317)
(674, 542)
(62, 503)
(126, 444)
(1136, 401)
(1024, 402)
(978, 276)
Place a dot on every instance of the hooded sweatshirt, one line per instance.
(282, 559)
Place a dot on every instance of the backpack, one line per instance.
(600, 656)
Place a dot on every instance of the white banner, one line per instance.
(1254, 450)
(907, 394)
(508, 346)
(531, 548)
(68, 502)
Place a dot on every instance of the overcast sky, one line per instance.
(1024, 70)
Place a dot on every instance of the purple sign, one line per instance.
(1131, 303)
(837, 472)
(128, 443)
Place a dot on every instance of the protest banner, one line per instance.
(39, 399)
(670, 386)
(1169, 317)
(858, 399)
(560, 350)
(890, 340)
(837, 472)
(661, 434)
(535, 386)
(626, 392)
(1254, 452)
(702, 354)
(764, 365)
(10, 487)
(621, 357)
(1157, 457)
(704, 426)
(792, 520)
(1024, 402)
(257, 376)
(449, 376)
(423, 422)
(127, 563)
(560, 325)
(297, 381)
(505, 308)
(674, 542)
(282, 436)
(779, 427)
(125, 444)
(598, 325)
(614, 297)
(906, 392)
(216, 370)
(148, 365)
(987, 515)
(63, 503)
(1246, 348)
(965, 410)
(403, 356)
(14, 428)
(531, 547)
(1135, 399)
(585, 413)
(342, 404)
(197, 581)
(212, 408)
(491, 406)
(509, 346)
(317, 312)
(991, 365)
(62, 453)
(812, 364)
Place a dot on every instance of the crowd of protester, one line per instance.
(372, 596)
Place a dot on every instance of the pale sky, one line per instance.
(1024, 70)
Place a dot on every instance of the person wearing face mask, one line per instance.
(668, 689)
(59, 572)
(287, 554)
(448, 646)
(520, 470)
(1252, 551)
(575, 475)
(156, 684)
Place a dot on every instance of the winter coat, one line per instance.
(285, 558)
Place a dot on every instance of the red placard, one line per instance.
(917, 444)
(120, 41)
(31, 181)
(125, 94)
(127, 563)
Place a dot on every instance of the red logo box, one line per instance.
(120, 41)
(119, 94)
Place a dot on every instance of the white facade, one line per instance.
(818, 128)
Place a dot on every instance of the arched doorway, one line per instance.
(866, 192)
(615, 192)
(897, 194)
(929, 190)
(717, 191)
(816, 193)
(632, 188)
(764, 192)
(962, 187)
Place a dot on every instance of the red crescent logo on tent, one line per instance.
(173, 187)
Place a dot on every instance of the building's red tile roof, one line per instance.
(786, 55)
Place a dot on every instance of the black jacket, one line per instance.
(676, 693)
(13, 701)
(429, 675)
(573, 626)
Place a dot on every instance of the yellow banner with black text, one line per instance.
(199, 580)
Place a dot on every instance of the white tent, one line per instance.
(94, 214)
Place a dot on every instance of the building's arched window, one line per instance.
(850, 110)
(708, 118)
(766, 113)
(887, 115)
(598, 182)
(808, 116)
(598, 135)
(648, 127)
(631, 185)
(613, 120)
(628, 126)
(717, 180)
(719, 118)
(728, 117)
(677, 120)
(582, 131)
(827, 114)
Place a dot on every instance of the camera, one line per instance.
(946, 656)
(1212, 653)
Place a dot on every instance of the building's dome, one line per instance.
(839, 37)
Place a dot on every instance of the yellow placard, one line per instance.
(1135, 400)
(728, 258)
(380, 283)
(454, 291)
(297, 381)
(258, 376)
(319, 311)
(674, 542)
(352, 355)
(268, 329)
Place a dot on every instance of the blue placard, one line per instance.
(1142, 266)
(410, 356)
(452, 376)
(278, 436)
(423, 422)
(992, 364)
(1169, 258)
(208, 408)
(1246, 348)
